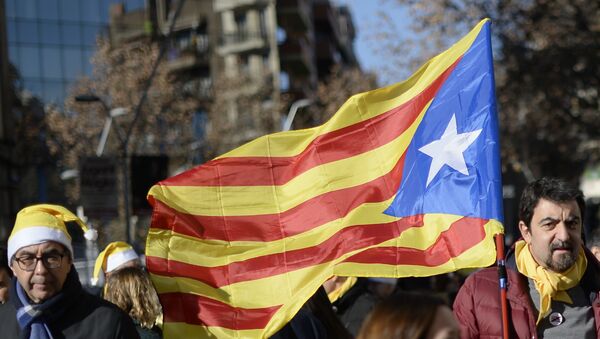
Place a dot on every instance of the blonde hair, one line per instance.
(132, 291)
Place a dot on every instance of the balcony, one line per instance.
(199, 88)
(294, 15)
(242, 41)
(225, 5)
(188, 54)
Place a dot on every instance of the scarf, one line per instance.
(550, 285)
(33, 319)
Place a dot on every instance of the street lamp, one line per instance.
(124, 140)
(292, 112)
(115, 112)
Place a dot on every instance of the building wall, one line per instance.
(7, 191)
(51, 41)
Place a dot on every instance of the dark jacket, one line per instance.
(148, 333)
(477, 306)
(354, 306)
(83, 316)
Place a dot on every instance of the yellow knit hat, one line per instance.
(44, 222)
(114, 255)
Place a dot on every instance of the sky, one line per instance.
(364, 14)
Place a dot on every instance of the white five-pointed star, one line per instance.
(448, 150)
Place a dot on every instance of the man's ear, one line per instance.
(11, 265)
(525, 232)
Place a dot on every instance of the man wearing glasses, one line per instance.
(46, 297)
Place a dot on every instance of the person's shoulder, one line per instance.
(8, 321)
(98, 307)
(484, 275)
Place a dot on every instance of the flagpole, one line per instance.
(502, 279)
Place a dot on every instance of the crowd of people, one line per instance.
(553, 286)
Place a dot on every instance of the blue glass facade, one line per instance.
(51, 41)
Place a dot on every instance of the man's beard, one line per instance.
(564, 261)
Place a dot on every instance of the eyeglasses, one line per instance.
(50, 261)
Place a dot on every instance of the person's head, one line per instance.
(593, 243)
(551, 217)
(40, 250)
(132, 291)
(117, 255)
(410, 315)
(5, 276)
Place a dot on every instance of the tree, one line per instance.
(242, 109)
(119, 76)
(331, 94)
(547, 74)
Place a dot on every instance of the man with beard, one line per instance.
(553, 281)
(46, 297)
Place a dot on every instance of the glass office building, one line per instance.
(51, 41)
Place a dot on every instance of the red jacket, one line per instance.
(477, 305)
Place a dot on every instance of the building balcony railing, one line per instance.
(183, 57)
(200, 88)
(242, 40)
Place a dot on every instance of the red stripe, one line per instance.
(199, 310)
(451, 243)
(344, 241)
(336, 145)
(463, 235)
(269, 227)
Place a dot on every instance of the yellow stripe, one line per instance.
(305, 281)
(480, 255)
(359, 107)
(242, 200)
(218, 252)
(263, 296)
(183, 330)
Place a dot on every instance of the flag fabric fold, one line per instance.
(402, 181)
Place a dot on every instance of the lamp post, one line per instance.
(296, 105)
(124, 141)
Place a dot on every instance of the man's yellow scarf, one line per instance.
(549, 284)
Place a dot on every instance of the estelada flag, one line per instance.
(402, 181)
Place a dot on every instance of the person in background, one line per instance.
(594, 243)
(315, 320)
(46, 298)
(553, 282)
(116, 255)
(352, 299)
(132, 291)
(410, 315)
(5, 276)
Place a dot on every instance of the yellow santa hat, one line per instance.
(44, 222)
(114, 255)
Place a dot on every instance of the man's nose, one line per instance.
(562, 232)
(40, 268)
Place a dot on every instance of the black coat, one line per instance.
(86, 316)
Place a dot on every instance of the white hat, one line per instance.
(40, 223)
(114, 255)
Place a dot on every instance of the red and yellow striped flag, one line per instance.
(237, 245)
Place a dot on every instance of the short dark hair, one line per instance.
(553, 189)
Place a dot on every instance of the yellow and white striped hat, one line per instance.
(114, 255)
(44, 222)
